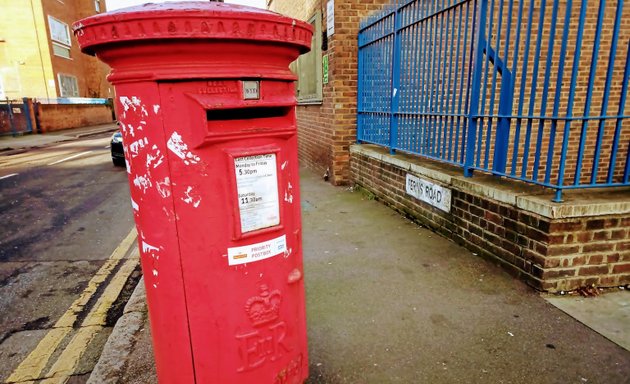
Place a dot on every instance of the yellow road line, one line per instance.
(98, 314)
(36, 361)
(54, 380)
(32, 366)
(69, 358)
(68, 318)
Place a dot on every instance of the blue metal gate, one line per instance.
(15, 117)
(534, 90)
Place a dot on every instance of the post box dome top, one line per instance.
(190, 20)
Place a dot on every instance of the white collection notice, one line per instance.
(257, 189)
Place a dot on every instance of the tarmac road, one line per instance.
(64, 210)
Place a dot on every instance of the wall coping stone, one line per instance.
(528, 197)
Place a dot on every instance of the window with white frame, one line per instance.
(97, 5)
(68, 85)
(60, 36)
(61, 50)
(308, 67)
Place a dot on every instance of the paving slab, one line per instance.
(608, 314)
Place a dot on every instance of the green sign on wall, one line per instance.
(325, 68)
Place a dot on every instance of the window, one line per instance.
(97, 5)
(59, 31)
(308, 67)
(68, 86)
(61, 50)
(60, 35)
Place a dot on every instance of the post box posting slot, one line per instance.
(247, 118)
(234, 107)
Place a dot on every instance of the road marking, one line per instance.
(71, 157)
(32, 366)
(68, 318)
(52, 380)
(9, 175)
(98, 314)
(36, 361)
(68, 361)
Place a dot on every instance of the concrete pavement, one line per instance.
(10, 144)
(391, 302)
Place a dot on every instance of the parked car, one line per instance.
(118, 153)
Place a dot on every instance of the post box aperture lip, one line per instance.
(220, 106)
(247, 113)
(248, 119)
(236, 155)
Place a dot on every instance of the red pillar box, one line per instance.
(207, 109)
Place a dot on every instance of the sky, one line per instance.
(115, 4)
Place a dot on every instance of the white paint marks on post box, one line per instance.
(179, 148)
(429, 192)
(191, 196)
(142, 182)
(256, 252)
(146, 247)
(251, 90)
(257, 190)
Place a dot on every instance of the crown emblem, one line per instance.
(264, 308)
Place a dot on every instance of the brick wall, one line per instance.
(54, 117)
(326, 130)
(315, 121)
(89, 71)
(550, 254)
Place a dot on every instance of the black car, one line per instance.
(118, 154)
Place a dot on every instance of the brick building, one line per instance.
(553, 246)
(327, 110)
(39, 56)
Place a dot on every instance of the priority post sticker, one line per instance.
(256, 252)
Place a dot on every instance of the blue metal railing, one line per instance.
(72, 100)
(520, 89)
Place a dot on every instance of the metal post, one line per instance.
(393, 118)
(27, 112)
(11, 122)
(361, 79)
(475, 88)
